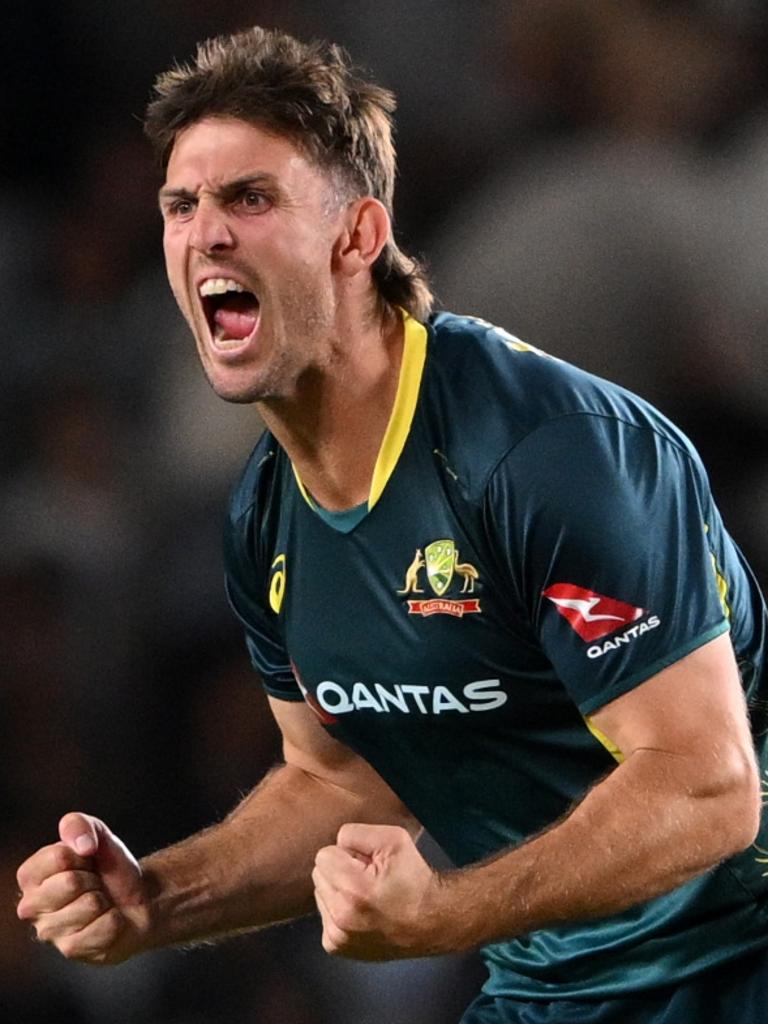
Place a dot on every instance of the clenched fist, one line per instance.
(85, 894)
(377, 896)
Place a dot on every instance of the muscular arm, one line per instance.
(255, 867)
(685, 797)
(252, 869)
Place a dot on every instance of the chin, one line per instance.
(235, 395)
(246, 384)
(237, 392)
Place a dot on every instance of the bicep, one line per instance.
(694, 708)
(307, 744)
(308, 747)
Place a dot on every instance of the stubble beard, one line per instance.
(301, 350)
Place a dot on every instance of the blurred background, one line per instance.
(591, 175)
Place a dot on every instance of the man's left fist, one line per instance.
(377, 896)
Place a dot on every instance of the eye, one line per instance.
(181, 208)
(255, 201)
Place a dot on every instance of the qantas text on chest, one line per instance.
(480, 695)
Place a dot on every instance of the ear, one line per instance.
(364, 234)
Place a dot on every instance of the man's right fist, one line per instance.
(85, 895)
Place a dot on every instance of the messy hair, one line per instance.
(313, 95)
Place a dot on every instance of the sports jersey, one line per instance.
(536, 542)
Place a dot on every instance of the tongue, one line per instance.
(236, 315)
(234, 324)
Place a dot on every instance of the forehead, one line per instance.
(216, 150)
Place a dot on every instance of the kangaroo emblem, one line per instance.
(412, 575)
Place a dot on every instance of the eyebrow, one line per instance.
(173, 193)
(225, 191)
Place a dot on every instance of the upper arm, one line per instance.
(693, 710)
(310, 748)
(611, 558)
(307, 745)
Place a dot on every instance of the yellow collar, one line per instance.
(401, 417)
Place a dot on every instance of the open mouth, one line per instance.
(232, 312)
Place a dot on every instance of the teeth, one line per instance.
(219, 286)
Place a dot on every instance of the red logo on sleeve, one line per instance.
(592, 615)
(325, 717)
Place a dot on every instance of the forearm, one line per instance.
(686, 796)
(254, 868)
(634, 836)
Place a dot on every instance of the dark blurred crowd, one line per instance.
(592, 175)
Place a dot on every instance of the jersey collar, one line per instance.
(403, 410)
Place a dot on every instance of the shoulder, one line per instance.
(254, 504)
(489, 392)
(258, 479)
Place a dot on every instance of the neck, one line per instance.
(332, 428)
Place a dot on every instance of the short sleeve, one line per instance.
(602, 526)
(247, 586)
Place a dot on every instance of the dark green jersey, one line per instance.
(536, 543)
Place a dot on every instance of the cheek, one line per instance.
(176, 288)
(308, 252)
(174, 268)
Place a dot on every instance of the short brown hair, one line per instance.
(312, 94)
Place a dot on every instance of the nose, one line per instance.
(210, 231)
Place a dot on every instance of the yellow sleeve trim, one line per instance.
(722, 582)
(612, 749)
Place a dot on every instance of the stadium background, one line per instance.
(592, 175)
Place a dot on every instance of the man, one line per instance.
(488, 594)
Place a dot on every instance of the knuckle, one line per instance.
(345, 833)
(332, 940)
(69, 946)
(61, 858)
(112, 925)
(45, 931)
(24, 910)
(93, 902)
(347, 918)
(343, 920)
(28, 871)
(70, 883)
